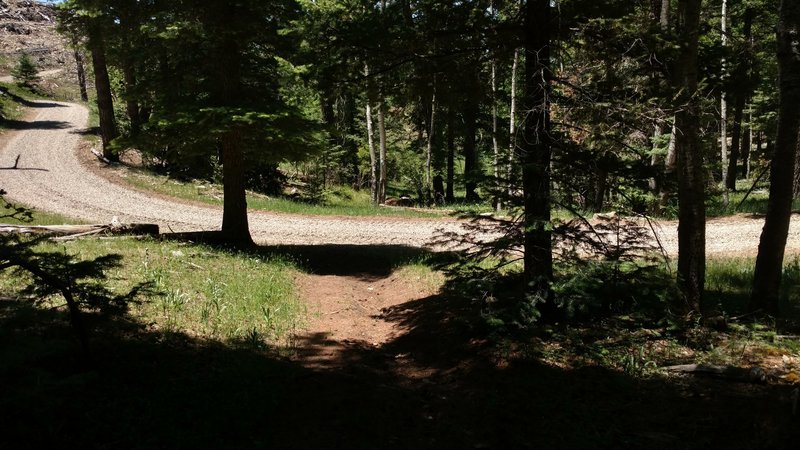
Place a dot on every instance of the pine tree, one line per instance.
(26, 73)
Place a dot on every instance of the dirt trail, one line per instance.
(348, 316)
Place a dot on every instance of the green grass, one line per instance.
(339, 201)
(729, 281)
(41, 218)
(197, 290)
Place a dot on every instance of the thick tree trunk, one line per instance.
(235, 228)
(535, 152)
(691, 179)
(769, 262)
(449, 195)
(373, 157)
(105, 103)
(471, 166)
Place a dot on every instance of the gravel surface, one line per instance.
(50, 177)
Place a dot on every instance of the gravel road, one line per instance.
(49, 176)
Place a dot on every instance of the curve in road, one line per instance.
(49, 176)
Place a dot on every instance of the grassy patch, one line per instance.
(340, 201)
(197, 290)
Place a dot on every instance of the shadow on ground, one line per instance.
(437, 385)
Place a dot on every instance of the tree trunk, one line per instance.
(535, 152)
(131, 104)
(373, 158)
(723, 107)
(512, 126)
(769, 262)
(449, 195)
(382, 157)
(429, 150)
(736, 141)
(235, 228)
(747, 143)
(738, 108)
(498, 203)
(664, 17)
(80, 69)
(105, 103)
(471, 165)
(691, 179)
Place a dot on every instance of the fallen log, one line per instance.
(732, 373)
(67, 232)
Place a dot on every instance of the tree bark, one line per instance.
(471, 165)
(664, 16)
(373, 159)
(235, 227)
(738, 109)
(769, 262)
(535, 152)
(498, 203)
(723, 107)
(80, 69)
(382, 155)
(131, 104)
(449, 195)
(691, 179)
(429, 150)
(105, 103)
(512, 127)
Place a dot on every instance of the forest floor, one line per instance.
(388, 360)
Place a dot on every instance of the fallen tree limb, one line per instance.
(67, 232)
(732, 373)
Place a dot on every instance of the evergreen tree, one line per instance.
(25, 73)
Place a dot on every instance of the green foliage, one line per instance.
(25, 73)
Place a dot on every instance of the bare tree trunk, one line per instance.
(382, 151)
(131, 104)
(373, 159)
(691, 179)
(664, 18)
(747, 143)
(738, 108)
(471, 166)
(723, 108)
(498, 203)
(429, 150)
(769, 262)
(105, 103)
(449, 195)
(536, 150)
(512, 126)
(80, 68)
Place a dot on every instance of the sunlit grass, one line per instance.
(196, 290)
(338, 201)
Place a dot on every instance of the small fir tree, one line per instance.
(26, 73)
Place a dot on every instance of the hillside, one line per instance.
(30, 27)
